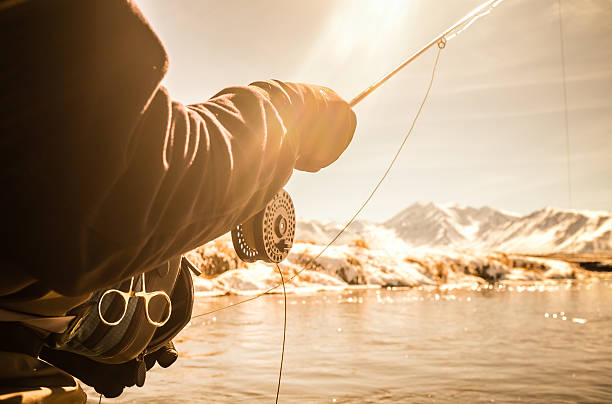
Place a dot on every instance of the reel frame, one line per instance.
(268, 236)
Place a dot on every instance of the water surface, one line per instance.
(539, 344)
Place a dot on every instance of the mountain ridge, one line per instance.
(547, 230)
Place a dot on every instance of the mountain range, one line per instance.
(545, 231)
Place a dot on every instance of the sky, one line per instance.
(492, 131)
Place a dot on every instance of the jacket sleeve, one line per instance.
(105, 176)
(194, 172)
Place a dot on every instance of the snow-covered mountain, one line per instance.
(424, 245)
(549, 230)
(447, 226)
(318, 232)
(555, 230)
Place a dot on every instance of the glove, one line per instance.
(321, 123)
(326, 130)
(109, 379)
(165, 356)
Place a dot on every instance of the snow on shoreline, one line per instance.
(425, 245)
(358, 265)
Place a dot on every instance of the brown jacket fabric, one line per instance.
(104, 176)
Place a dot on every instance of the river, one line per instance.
(549, 342)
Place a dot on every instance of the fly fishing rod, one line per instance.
(268, 236)
(440, 40)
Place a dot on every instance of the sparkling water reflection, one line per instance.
(534, 343)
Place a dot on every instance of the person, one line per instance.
(106, 177)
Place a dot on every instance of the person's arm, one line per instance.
(108, 176)
(199, 170)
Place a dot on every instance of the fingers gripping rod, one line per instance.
(440, 40)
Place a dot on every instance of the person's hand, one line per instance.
(109, 379)
(318, 120)
(326, 129)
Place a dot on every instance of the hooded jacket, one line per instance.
(105, 176)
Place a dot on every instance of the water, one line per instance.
(546, 343)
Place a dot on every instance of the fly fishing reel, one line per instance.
(267, 236)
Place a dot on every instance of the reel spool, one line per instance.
(267, 236)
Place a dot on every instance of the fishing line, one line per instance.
(280, 372)
(567, 139)
(441, 45)
(450, 33)
(441, 40)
